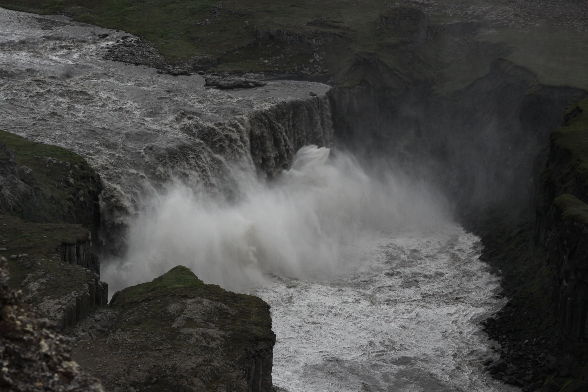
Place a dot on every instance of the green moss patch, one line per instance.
(246, 316)
(573, 136)
(252, 36)
(18, 236)
(178, 277)
(60, 186)
(572, 208)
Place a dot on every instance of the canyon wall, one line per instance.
(562, 219)
(492, 150)
(49, 212)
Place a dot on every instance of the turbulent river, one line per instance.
(407, 320)
(372, 285)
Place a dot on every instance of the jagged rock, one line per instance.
(45, 191)
(134, 50)
(230, 83)
(179, 334)
(34, 358)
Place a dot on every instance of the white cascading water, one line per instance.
(310, 224)
(372, 286)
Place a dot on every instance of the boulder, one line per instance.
(178, 334)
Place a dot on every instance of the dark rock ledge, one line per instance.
(179, 334)
(34, 358)
(49, 216)
(172, 334)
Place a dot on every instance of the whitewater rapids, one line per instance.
(372, 286)
(406, 321)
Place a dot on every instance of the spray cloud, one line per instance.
(309, 224)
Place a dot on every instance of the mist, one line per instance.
(310, 223)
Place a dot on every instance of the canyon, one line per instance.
(446, 100)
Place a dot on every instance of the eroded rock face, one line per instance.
(48, 214)
(33, 357)
(179, 334)
(140, 129)
(563, 225)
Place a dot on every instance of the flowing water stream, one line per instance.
(407, 320)
(372, 285)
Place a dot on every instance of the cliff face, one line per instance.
(277, 134)
(49, 210)
(177, 333)
(542, 259)
(34, 358)
(563, 225)
(480, 145)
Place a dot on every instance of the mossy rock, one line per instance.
(572, 208)
(177, 278)
(48, 212)
(44, 183)
(190, 336)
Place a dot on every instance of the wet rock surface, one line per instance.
(177, 333)
(34, 357)
(138, 128)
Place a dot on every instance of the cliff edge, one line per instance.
(176, 333)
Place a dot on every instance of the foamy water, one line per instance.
(407, 320)
(372, 286)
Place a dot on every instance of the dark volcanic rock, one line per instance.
(49, 216)
(544, 328)
(179, 334)
(136, 51)
(42, 183)
(33, 357)
(232, 82)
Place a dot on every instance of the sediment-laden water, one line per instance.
(372, 286)
(407, 320)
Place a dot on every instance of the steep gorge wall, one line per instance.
(50, 214)
(277, 134)
(491, 151)
(562, 224)
(481, 146)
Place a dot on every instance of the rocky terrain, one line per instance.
(34, 357)
(466, 94)
(49, 210)
(49, 214)
(179, 334)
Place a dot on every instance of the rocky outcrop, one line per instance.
(480, 145)
(48, 213)
(42, 183)
(177, 333)
(34, 358)
(563, 225)
(275, 135)
(543, 329)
